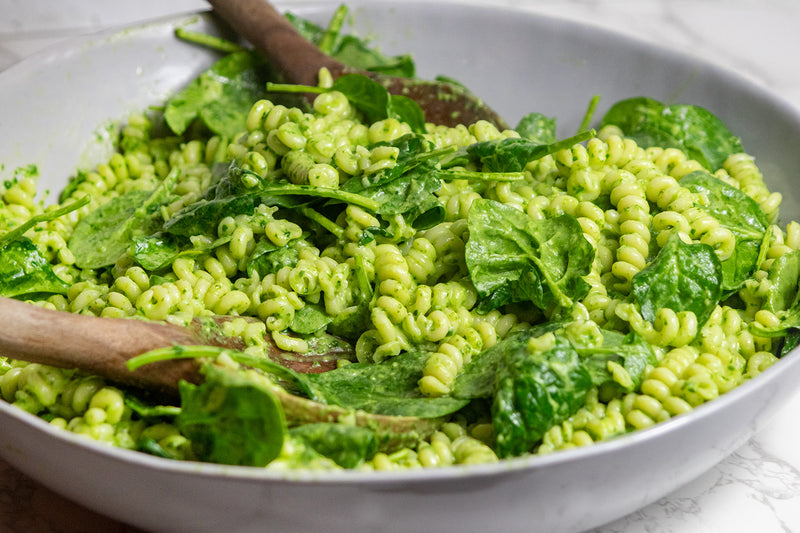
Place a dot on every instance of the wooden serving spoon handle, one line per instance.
(103, 346)
(97, 345)
(274, 37)
(299, 61)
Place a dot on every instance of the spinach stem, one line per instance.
(171, 353)
(323, 221)
(587, 117)
(209, 41)
(481, 176)
(291, 88)
(322, 192)
(334, 29)
(42, 217)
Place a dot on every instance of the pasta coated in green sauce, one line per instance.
(286, 229)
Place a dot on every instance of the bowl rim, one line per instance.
(352, 477)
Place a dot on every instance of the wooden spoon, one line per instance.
(299, 61)
(96, 345)
(103, 346)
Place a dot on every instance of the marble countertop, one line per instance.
(757, 488)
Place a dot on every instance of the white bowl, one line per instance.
(52, 105)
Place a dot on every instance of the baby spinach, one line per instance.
(790, 342)
(512, 154)
(537, 128)
(408, 187)
(349, 49)
(630, 351)
(784, 276)
(105, 234)
(355, 319)
(220, 97)
(231, 419)
(783, 299)
(478, 377)
(24, 270)
(310, 319)
(159, 250)
(268, 258)
(514, 258)
(535, 390)
(740, 214)
(347, 446)
(531, 390)
(203, 216)
(690, 128)
(386, 388)
(354, 52)
(369, 97)
(682, 277)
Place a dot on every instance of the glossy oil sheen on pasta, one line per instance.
(567, 297)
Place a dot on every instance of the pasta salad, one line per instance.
(405, 294)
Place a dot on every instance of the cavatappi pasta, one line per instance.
(628, 201)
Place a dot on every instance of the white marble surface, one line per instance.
(755, 489)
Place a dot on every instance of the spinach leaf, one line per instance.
(231, 419)
(347, 446)
(477, 378)
(220, 97)
(105, 234)
(784, 276)
(514, 258)
(693, 129)
(408, 188)
(203, 216)
(387, 388)
(267, 258)
(783, 299)
(511, 154)
(227, 196)
(376, 103)
(351, 50)
(630, 351)
(733, 208)
(159, 250)
(24, 270)
(537, 128)
(310, 319)
(151, 446)
(356, 53)
(354, 320)
(790, 342)
(682, 277)
(738, 213)
(407, 110)
(534, 391)
(410, 195)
